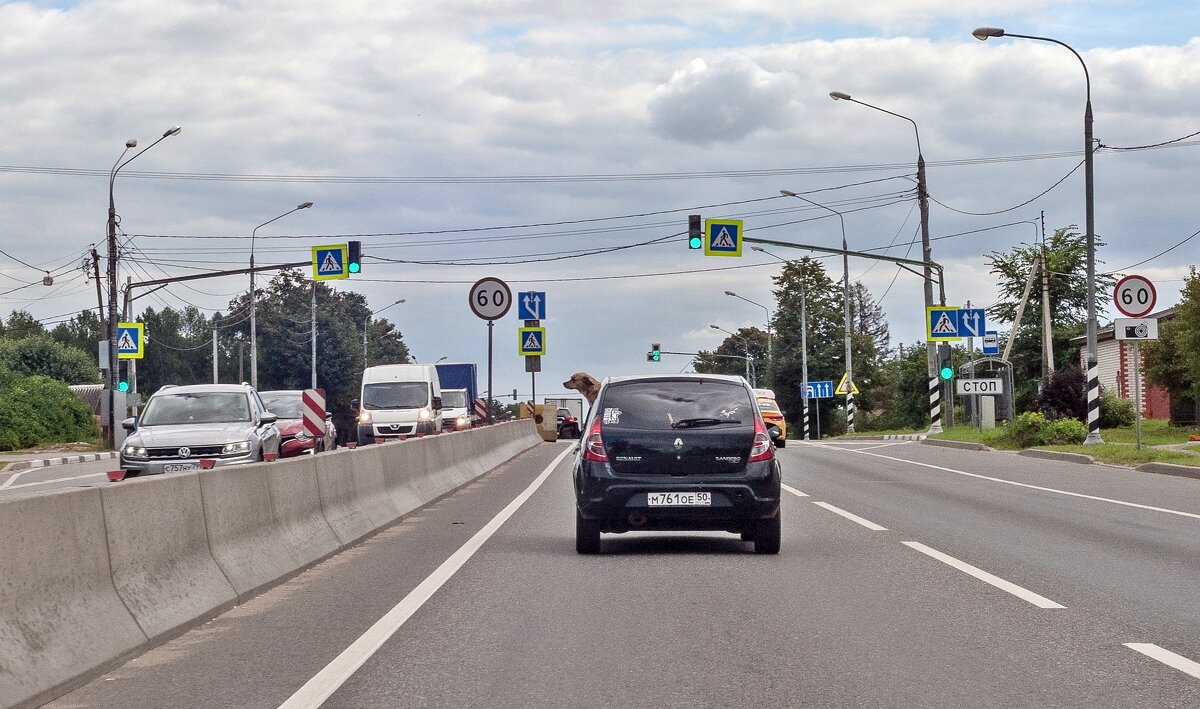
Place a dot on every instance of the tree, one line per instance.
(729, 356)
(868, 318)
(83, 332)
(21, 324)
(1066, 255)
(1172, 361)
(40, 355)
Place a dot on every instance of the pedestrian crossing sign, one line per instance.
(531, 341)
(942, 323)
(131, 340)
(329, 262)
(724, 237)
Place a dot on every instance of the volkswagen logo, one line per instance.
(678, 444)
(185, 452)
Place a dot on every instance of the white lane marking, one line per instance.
(1018, 591)
(792, 490)
(8, 483)
(1167, 657)
(852, 517)
(316, 690)
(58, 480)
(884, 445)
(1034, 487)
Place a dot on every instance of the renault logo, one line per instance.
(185, 452)
(678, 444)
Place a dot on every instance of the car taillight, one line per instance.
(761, 449)
(593, 448)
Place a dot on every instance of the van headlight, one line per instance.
(364, 417)
(235, 448)
(423, 415)
(135, 452)
(461, 421)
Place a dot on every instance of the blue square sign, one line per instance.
(531, 305)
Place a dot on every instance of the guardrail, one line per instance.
(90, 577)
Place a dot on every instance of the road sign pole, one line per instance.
(491, 324)
(1137, 395)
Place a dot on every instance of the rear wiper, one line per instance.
(688, 423)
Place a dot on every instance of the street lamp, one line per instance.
(1093, 378)
(746, 344)
(935, 384)
(735, 295)
(803, 338)
(112, 275)
(254, 296)
(368, 322)
(845, 306)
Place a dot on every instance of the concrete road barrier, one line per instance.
(162, 567)
(91, 576)
(59, 613)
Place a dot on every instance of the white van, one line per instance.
(399, 400)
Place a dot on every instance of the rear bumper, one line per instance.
(620, 504)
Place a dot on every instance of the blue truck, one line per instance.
(460, 388)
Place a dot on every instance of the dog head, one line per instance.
(585, 384)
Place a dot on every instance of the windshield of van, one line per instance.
(454, 398)
(395, 395)
(661, 405)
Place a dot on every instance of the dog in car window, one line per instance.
(585, 384)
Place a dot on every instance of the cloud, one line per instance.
(721, 102)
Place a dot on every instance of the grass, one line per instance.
(1127, 454)
(1154, 433)
(1117, 449)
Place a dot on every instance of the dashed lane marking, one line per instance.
(1018, 591)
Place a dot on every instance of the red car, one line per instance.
(294, 440)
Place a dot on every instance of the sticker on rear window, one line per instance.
(612, 416)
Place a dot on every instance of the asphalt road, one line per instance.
(30, 480)
(910, 576)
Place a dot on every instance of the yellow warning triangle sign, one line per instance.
(846, 386)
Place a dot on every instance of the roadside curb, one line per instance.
(1185, 471)
(1058, 455)
(47, 462)
(961, 445)
(904, 437)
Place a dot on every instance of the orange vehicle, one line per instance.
(772, 416)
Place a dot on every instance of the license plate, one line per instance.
(679, 499)
(179, 467)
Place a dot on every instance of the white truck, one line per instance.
(398, 400)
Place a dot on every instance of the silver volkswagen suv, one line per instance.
(225, 423)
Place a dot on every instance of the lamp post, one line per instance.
(112, 275)
(935, 382)
(803, 339)
(1093, 378)
(254, 296)
(735, 295)
(368, 322)
(746, 344)
(845, 305)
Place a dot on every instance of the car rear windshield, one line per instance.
(205, 407)
(395, 395)
(768, 405)
(675, 404)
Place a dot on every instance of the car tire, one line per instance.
(587, 535)
(748, 535)
(781, 443)
(767, 534)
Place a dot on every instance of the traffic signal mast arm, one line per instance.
(902, 262)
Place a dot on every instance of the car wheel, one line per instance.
(767, 534)
(781, 443)
(587, 535)
(748, 536)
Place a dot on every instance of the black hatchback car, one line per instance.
(677, 452)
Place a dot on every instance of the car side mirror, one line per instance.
(437, 402)
(328, 415)
(129, 424)
(354, 404)
(268, 418)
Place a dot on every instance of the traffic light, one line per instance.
(695, 233)
(123, 375)
(945, 366)
(655, 353)
(354, 257)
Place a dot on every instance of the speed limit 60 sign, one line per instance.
(1134, 296)
(490, 298)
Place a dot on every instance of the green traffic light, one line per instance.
(123, 386)
(695, 242)
(947, 373)
(355, 267)
(656, 356)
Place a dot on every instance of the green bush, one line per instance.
(1067, 432)
(1115, 412)
(37, 410)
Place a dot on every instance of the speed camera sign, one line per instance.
(1134, 296)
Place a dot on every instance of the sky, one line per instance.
(560, 146)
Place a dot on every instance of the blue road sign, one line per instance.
(724, 237)
(131, 340)
(531, 342)
(941, 323)
(531, 305)
(820, 390)
(329, 262)
(991, 342)
(971, 322)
